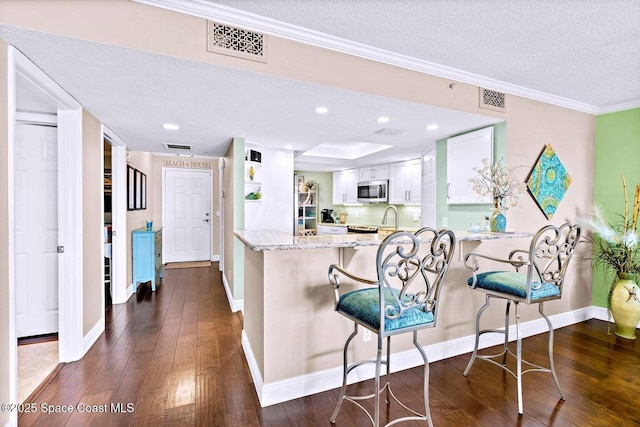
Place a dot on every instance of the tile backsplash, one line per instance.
(372, 214)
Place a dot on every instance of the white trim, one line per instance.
(119, 291)
(69, 121)
(37, 118)
(236, 305)
(34, 75)
(620, 107)
(253, 367)
(93, 335)
(13, 341)
(215, 258)
(230, 16)
(328, 379)
(70, 235)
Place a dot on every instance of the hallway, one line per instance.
(175, 358)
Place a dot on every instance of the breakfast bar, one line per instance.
(292, 337)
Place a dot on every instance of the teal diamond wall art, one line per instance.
(548, 181)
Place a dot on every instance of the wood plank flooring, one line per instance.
(174, 357)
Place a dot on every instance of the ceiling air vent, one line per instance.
(237, 42)
(492, 100)
(389, 132)
(178, 146)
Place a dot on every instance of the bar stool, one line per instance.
(545, 265)
(403, 299)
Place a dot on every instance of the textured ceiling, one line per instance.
(587, 52)
(583, 50)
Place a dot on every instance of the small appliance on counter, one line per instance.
(343, 217)
(327, 216)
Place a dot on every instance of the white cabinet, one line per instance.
(464, 153)
(331, 229)
(405, 182)
(374, 173)
(345, 187)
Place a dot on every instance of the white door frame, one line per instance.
(69, 116)
(120, 293)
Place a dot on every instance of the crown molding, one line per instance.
(234, 17)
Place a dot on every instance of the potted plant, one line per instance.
(497, 181)
(616, 249)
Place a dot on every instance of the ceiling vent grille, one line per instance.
(492, 100)
(237, 42)
(178, 147)
(389, 132)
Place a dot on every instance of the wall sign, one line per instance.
(186, 164)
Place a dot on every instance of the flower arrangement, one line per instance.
(497, 181)
(617, 246)
(311, 185)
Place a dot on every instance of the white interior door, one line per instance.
(187, 215)
(36, 229)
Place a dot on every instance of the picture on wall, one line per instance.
(131, 185)
(138, 189)
(548, 181)
(143, 201)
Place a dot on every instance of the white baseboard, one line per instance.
(93, 335)
(215, 258)
(305, 385)
(236, 305)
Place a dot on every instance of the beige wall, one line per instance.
(92, 222)
(136, 219)
(5, 320)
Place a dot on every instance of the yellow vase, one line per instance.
(624, 306)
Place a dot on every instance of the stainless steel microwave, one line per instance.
(373, 191)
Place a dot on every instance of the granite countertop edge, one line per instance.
(274, 240)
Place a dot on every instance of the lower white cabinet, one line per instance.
(405, 182)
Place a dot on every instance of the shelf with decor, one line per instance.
(307, 213)
(252, 182)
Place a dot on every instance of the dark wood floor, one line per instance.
(176, 357)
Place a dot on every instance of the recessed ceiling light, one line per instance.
(171, 126)
(432, 126)
(383, 119)
(322, 110)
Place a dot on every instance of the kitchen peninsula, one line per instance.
(292, 337)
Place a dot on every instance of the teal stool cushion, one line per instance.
(364, 305)
(512, 283)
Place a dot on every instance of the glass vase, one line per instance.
(498, 222)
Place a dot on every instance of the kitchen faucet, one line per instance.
(386, 211)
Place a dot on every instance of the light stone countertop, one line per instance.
(274, 240)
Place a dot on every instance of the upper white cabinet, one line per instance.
(464, 153)
(405, 182)
(345, 187)
(372, 173)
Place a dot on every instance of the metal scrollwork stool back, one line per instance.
(543, 267)
(404, 298)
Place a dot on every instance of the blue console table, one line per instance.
(147, 257)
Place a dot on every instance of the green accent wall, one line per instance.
(617, 153)
(461, 216)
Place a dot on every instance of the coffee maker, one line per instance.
(326, 216)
